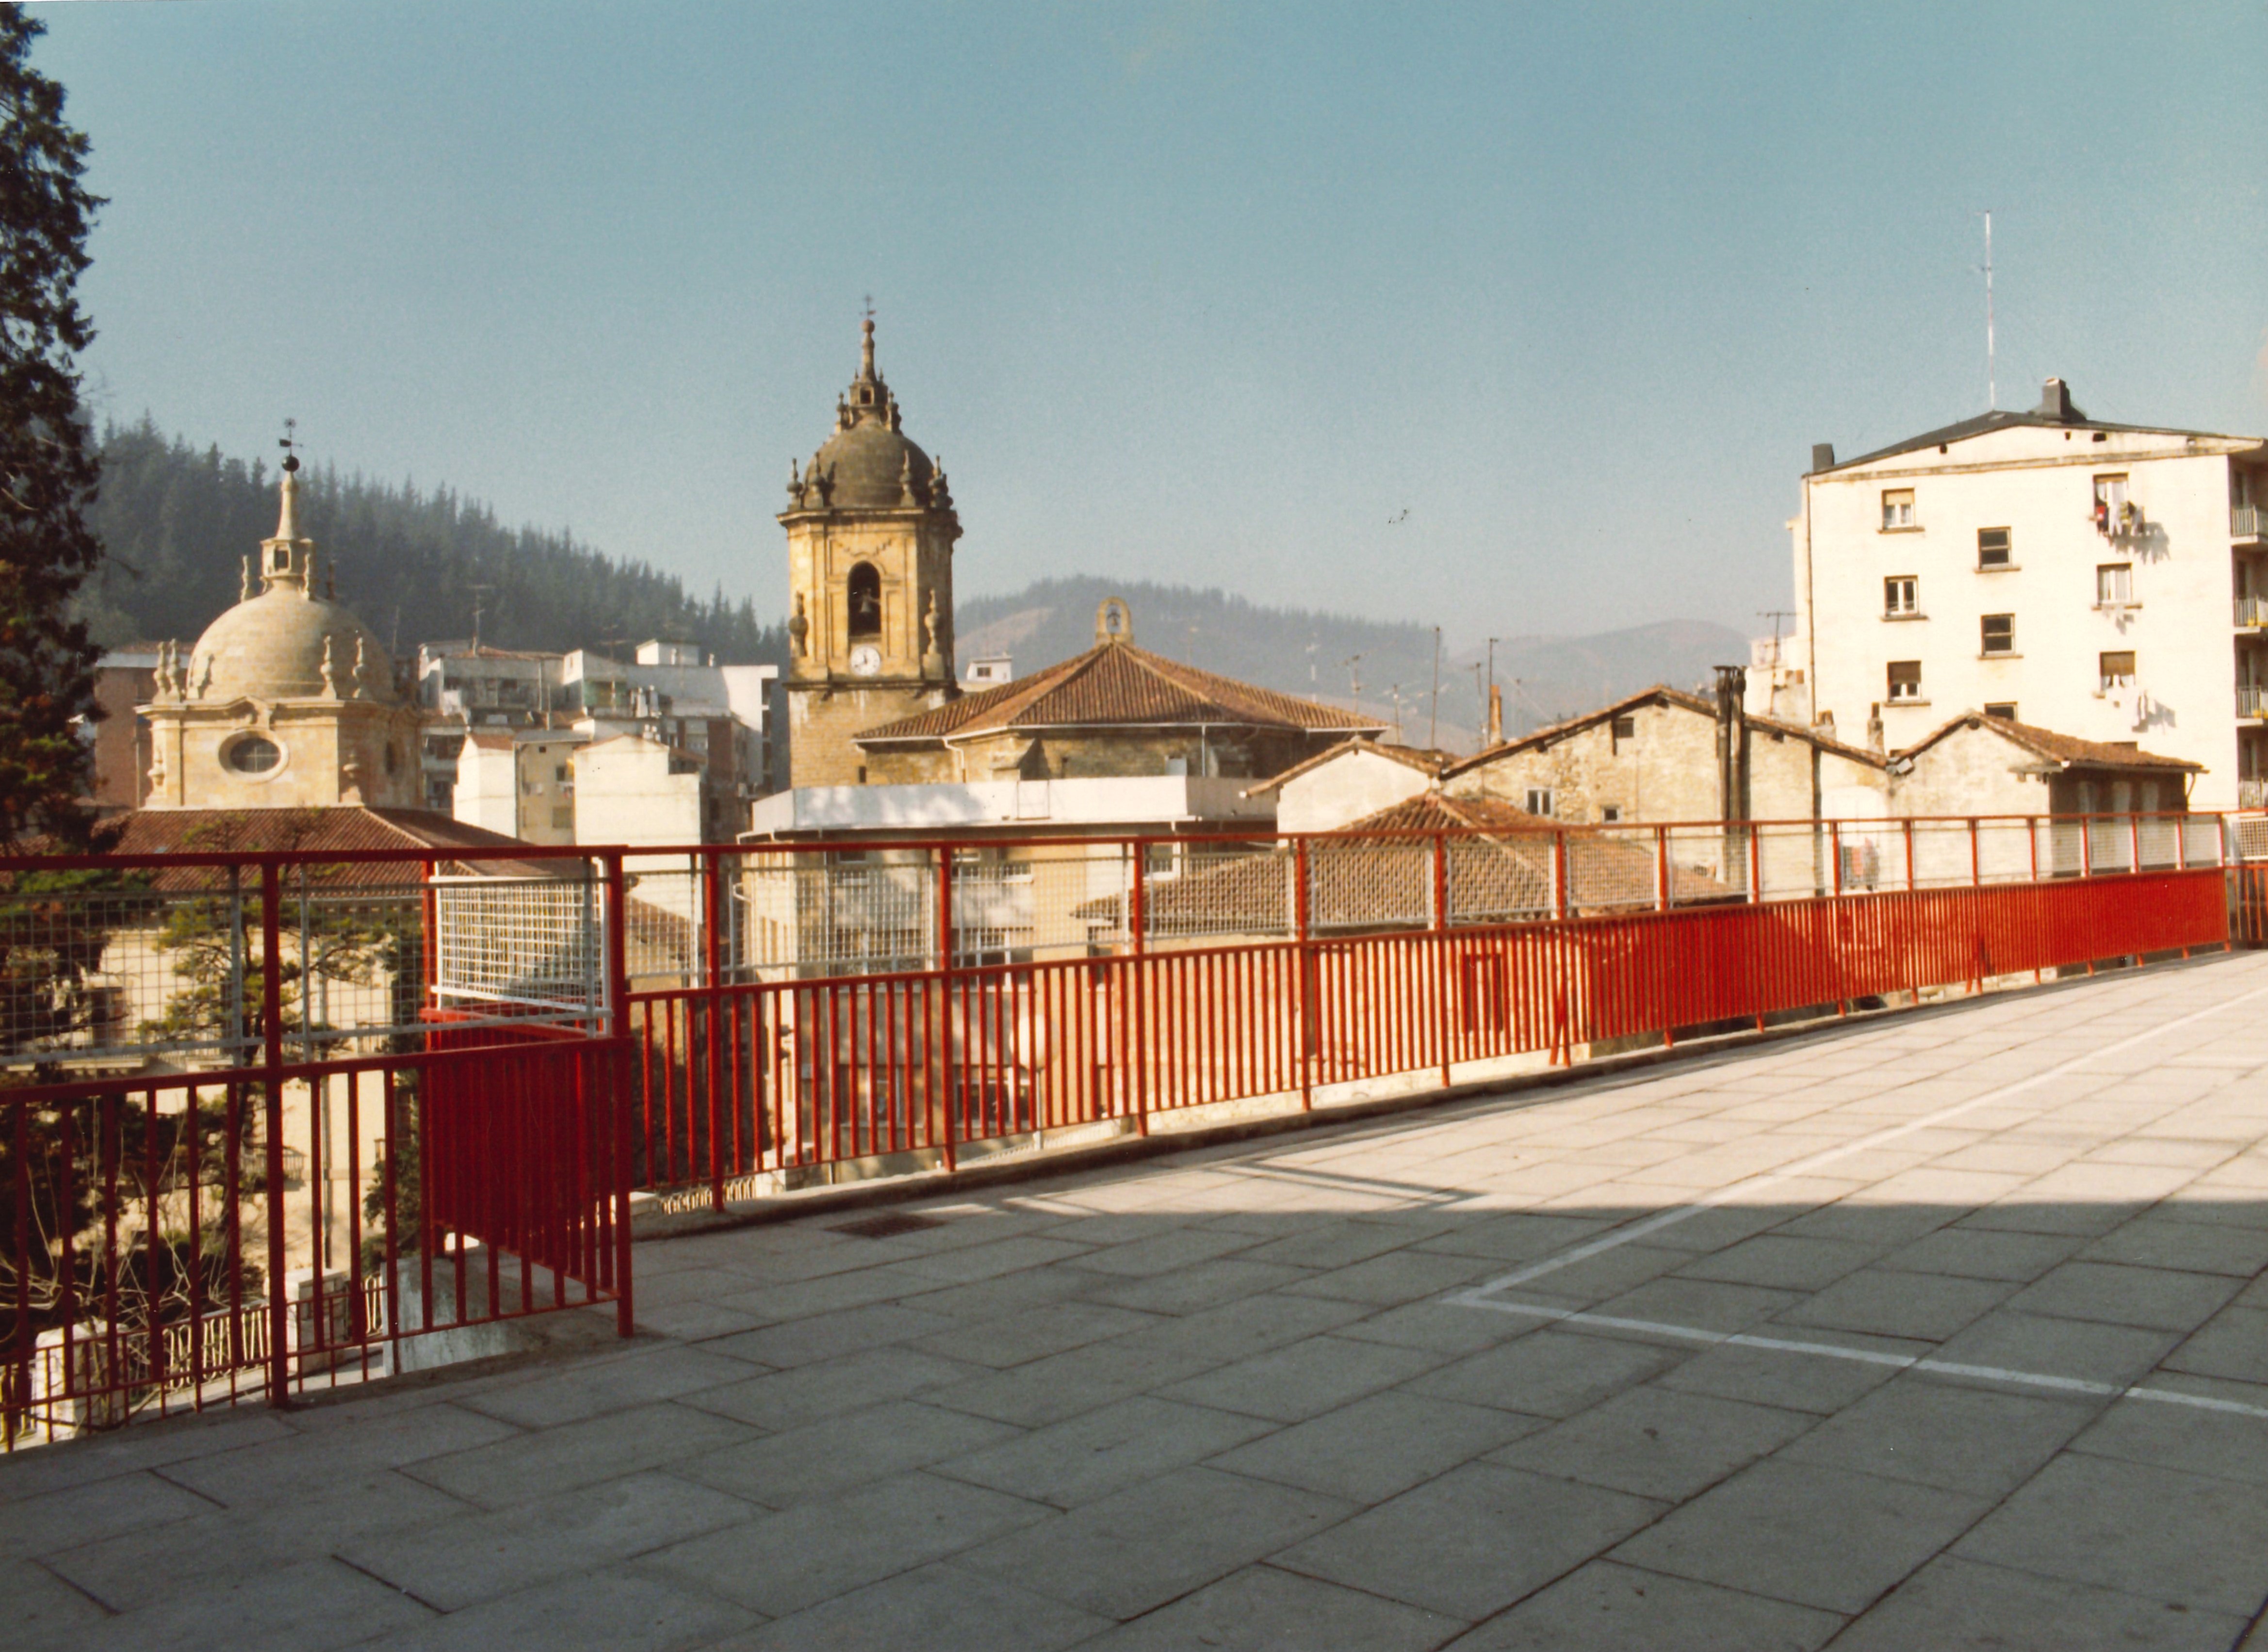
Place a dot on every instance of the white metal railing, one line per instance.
(2252, 611)
(2248, 522)
(2251, 700)
(2252, 794)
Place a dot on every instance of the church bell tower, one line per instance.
(871, 529)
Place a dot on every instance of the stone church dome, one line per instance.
(285, 643)
(869, 463)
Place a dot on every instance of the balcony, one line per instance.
(2252, 794)
(2247, 525)
(2252, 611)
(2252, 700)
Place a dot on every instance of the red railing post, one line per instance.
(1306, 958)
(1756, 865)
(947, 1068)
(1137, 929)
(271, 1055)
(614, 922)
(1662, 885)
(707, 867)
(2134, 846)
(1975, 861)
(1911, 884)
(1438, 950)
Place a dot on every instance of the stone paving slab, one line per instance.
(1859, 1311)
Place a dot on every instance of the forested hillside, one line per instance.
(177, 523)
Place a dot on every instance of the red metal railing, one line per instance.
(760, 1071)
(255, 1227)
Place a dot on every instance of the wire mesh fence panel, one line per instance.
(1610, 871)
(665, 916)
(2004, 851)
(838, 911)
(1378, 882)
(2202, 839)
(2110, 843)
(2248, 836)
(94, 967)
(531, 945)
(1039, 901)
(2159, 838)
(1707, 864)
(1941, 854)
(1498, 879)
(352, 961)
(1795, 860)
(1206, 891)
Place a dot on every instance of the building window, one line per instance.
(1998, 634)
(866, 596)
(2004, 710)
(2117, 670)
(1539, 801)
(1898, 509)
(253, 755)
(2114, 585)
(1610, 813)
(1625, 728)
(1992, 547)
(1901, 597)
(2113, 512)
(1904, 681)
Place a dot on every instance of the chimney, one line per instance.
(2055, 402)
(1732, 742)
(1874, 725)
(1823, 456)
(1496, 716)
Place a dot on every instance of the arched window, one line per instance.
(865, 601)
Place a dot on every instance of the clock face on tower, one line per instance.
(865, 660)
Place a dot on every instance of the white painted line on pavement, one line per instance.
(1864, 1356)
(1622, 1235)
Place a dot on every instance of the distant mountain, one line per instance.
(176, 522)
(1296, 651)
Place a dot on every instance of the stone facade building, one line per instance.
(287, 700)
(2042, 566)
(871, 529)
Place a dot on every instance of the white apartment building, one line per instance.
(2108, 582)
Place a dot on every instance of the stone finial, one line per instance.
(204, 668)
(932, 655)
(167, 687)
(287, 515)
(906, 496)
(941, 492)
(244, 581)
(330, 671)
(361, 667)
(307, 578)
(866, 374)
(799, 628)
(794, 482)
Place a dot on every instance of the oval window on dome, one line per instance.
(254, 754)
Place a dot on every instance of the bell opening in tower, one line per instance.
(866, 596)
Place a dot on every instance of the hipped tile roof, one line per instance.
(1117, 684)
(2066, 750)
(315, 831)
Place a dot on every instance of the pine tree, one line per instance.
(47, 466)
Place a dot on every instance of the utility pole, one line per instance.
(1354, 664)
(1433, 718)
(1394, 690)
(1494, 725)
(1480, 717)
(1314, 696)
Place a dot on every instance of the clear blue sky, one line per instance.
(1187, 292)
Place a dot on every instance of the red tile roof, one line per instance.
(1117, 684)
(316, 832)
(2066, 750)
(1662, 694)
(1424, 760)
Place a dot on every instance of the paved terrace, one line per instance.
(1944, 1329)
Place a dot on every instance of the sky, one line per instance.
(1514, 319)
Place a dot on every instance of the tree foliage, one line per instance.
(177, 521)
(47, 466)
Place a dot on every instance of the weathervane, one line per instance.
(288, 442)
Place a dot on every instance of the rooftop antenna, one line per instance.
(1394, 690)
(1315, 696)
(480, 602)
(1433, 717)
(1992, 380)
(1354, 664)
(1490, 698)
(1480, 719)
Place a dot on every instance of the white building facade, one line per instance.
(2108, 582)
